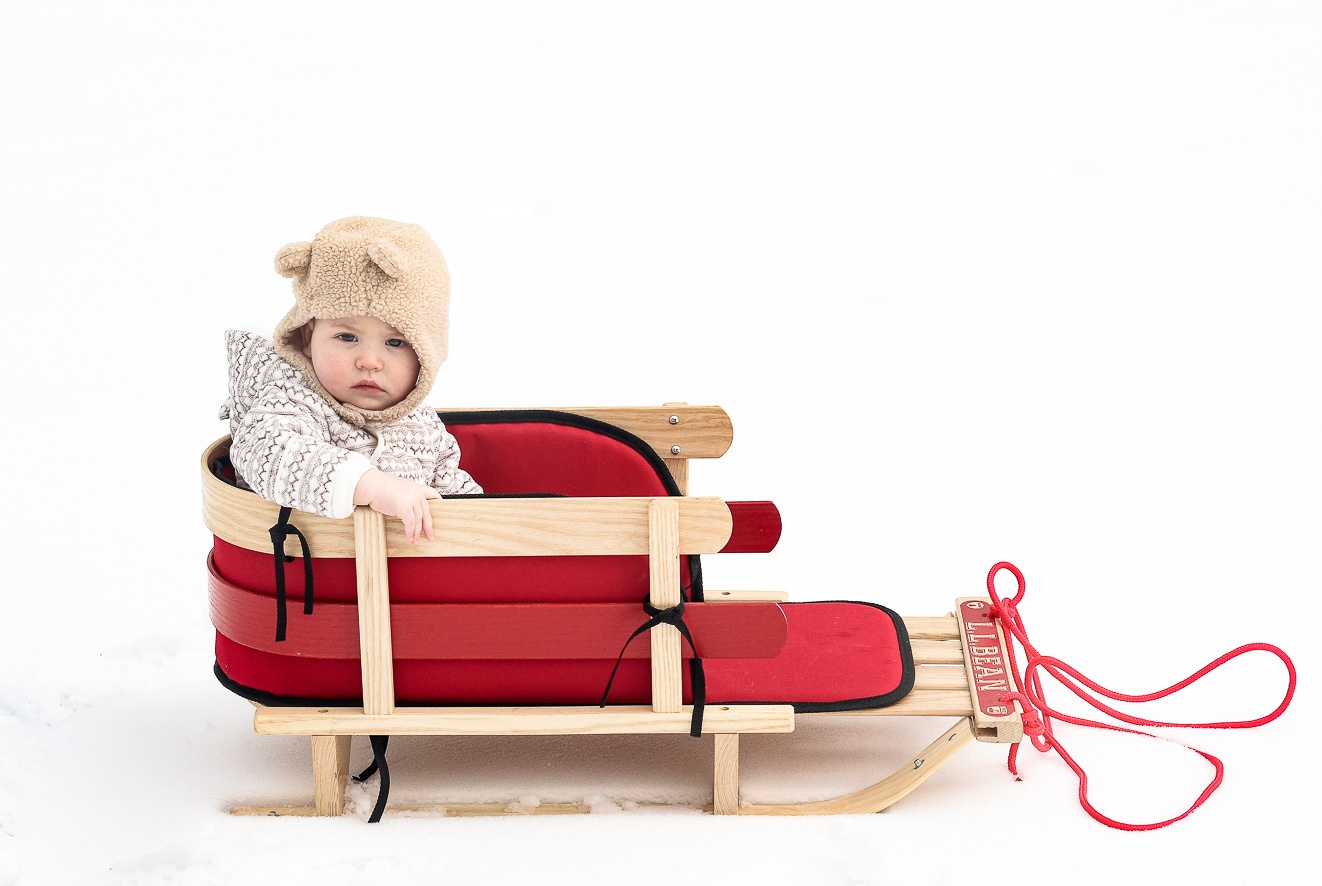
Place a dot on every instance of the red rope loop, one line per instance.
(1037, 715)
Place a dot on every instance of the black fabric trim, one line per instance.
(279, 532)
(271, 700)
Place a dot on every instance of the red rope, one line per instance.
(1038, 715)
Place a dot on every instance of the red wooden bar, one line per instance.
(456, 631)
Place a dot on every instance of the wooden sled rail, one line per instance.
(675, 431)
(499, 527)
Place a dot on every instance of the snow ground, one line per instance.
(1022, 281)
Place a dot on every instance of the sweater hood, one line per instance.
(373, 267)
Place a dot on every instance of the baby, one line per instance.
(330, 414)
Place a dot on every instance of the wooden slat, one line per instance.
(939, 677)
(942, 627)
(377, 651)
(663, 567)
(937, 652)
(580, 720)
(493, 527)
(700, 432)
(924, 703)
(679, 472)
(551, 526)
(676, 463)
(440, 810)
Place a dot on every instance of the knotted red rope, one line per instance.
(1038, 715)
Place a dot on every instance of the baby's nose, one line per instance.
(368, 358)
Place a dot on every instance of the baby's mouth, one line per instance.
(369, 386)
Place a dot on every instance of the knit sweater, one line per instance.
(290, 447)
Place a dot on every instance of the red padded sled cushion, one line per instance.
(838, 656)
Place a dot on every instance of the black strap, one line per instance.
(279, 532)
(674, 617)
(379, 743)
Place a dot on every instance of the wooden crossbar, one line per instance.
(675, 431)
(575, 720)
(482, 527)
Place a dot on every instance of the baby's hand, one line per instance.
(397, 497)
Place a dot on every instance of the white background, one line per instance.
(975, 281)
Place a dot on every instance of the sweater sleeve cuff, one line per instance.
(344, 482)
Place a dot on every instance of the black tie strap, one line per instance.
(674, 617)
(279, 532)
(379, 743)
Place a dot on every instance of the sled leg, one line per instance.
(887, 791)
(330, 772)
(725, 784)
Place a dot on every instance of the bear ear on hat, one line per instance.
(387, 256)
(293, 259)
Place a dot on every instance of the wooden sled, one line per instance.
(959, 667)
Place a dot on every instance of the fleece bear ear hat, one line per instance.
(358, 267)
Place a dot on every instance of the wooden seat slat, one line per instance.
(937, 652)
(614, 720)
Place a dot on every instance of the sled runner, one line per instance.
(526, 613)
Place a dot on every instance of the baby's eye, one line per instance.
(348, 337)
(397, 343)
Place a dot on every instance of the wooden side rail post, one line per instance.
(725, 775)
(677, 461)
(330, 772)
(369, 529)
(663, 561)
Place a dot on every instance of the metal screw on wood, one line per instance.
(674, 450)
(674, 419)
(917, 764)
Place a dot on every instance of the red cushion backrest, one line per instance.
(538, 451)
(513, 452)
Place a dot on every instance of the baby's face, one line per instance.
(362, 361)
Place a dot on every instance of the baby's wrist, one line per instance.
(366, 488)
(344, 484)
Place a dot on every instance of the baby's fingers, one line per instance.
(426, 522)
(409, 519)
